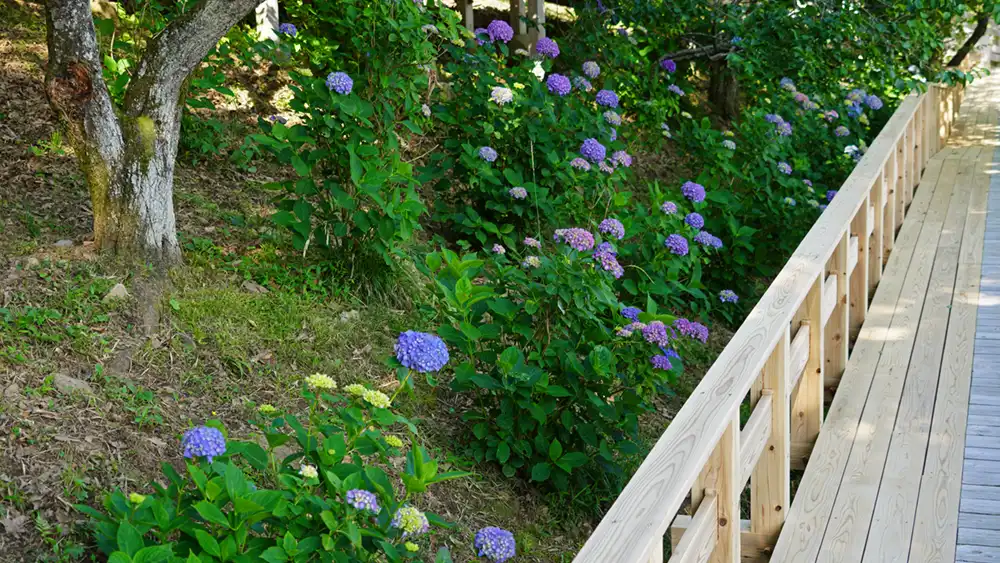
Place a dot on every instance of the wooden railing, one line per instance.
(791, 346)
(532, 10)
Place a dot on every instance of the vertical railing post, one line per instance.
(722, 474)
(468, 14)
(891, 183)
(518, 11)
(770, 486)
(836, 331)
(876, 241)
(807, 399)
(858, 293)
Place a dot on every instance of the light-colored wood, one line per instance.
(770, 485)
(889, 211)
(700, 540)
(859, 255)
(267, 19)
(978, 554)
(875, 243)
(799, 356)
(518, 11)
(975, 536)
(837, 328)
(829, 297)
(754, 548)
(889, 534)
(900, 187)
(641, 515)
(754, 436)
(852, 253)
(816, 493)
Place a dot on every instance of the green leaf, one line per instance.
(129, 539)
(443, 556)
(119, 557)
(541, 471)
(236, 482)
(207, 542)
(274, 555)
(256, 456)
(413, 127)
(211, 513)
(301, 168)
(503, 452)
(571, 461)
(555, 450)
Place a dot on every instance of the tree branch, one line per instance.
(713, 52)
(982, 24)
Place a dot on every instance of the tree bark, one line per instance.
(127, 154)
(723, 90)
(982, 24)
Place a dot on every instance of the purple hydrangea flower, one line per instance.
(669, 207)
(340, 83)
(728, 296)
(582, 83)
(421, 351)
(518, 193)
(857, 95)
(621, 158)
(787, 84)
(789, 201)
(580, 164)
(656, 333)
(808, 183)
(801, 98)
(668, 65)
(612, 118)
(532, 242)
(612, 227)
(841, 131)
(854, 109)
(558, 84)
(593, 150)
(499, 249)
(487, 154)
(705, 238)
(605, 167)
(614, 135)
(695, 220)
(784, 128)
(495, 544)
(501, 95)
(677, 244)
(288, 29)
(660, 361)
(607, 98)
(482, 35)
(774, 118)
(675, 89)
(547, 47)
(694, 192)
(874, 102)
(203, 441)
(278, 119)
(631, 313)
(500, 30)
(692, 329)
(830, 194)
(363, 500)
(608, 259)
(830, 115)
(784, 168)
(579, 239)
(591, 69)
(532, 262)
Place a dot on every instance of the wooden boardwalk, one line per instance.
(907, 466)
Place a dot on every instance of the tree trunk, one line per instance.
(982, 24)
(127, 154)
(723, 90)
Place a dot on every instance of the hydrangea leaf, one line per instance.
(541, 472)
(129, 539)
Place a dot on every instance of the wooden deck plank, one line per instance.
(975, 536)
(978, 553)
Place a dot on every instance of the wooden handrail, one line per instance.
(820, 298)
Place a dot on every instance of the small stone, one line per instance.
(254, 287)
(348, 316)
(12, 392)
(64, 243)
(32, 262)
(117, 292)
(70, 385)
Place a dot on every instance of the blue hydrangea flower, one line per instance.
(593, 150)
(606, 256)
(421, 351)
(873, 102)
(789, 201)
(830, 194)
(660, 361)
(695, 220)
(340, 83)
(675, 89)
(784, 128)
(705, 238)
(582, 83)
(579, 239)
(612, 227)
(841, 131)
(495, 544)
(500, 30)
(591, 69)
(482, 35)
(728, 296)
(558, 84)
(614, 135)
(694, 192)
(203, 441)
(607, 98)
(288, 29)
(692, 329)
(676, 244)
(669, 207)
(631, 313)
(621, 158)
(499, 249)
(532, 242)
(787, 84)
(656, 333)
(668, 65)
(773, 118)
(784, 168)
(363, 500)
(547, 47)
(278, 119)
(580, 164)
(487, 154)
(736, 40)
(612, 118)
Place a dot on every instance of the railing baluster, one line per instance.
(836, 326)
(722, 474)
(807, 398)
(899, 197)
(858, 294)
(876, 240)
(770, 490)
